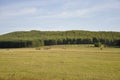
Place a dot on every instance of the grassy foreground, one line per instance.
(71, 62)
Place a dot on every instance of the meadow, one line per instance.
(61, 62)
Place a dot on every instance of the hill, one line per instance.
(35, 38)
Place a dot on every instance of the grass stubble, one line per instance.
(70, 62)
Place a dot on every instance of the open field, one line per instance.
(70, 62)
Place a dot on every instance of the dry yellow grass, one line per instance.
(71, 62)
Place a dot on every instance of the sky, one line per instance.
(59, 15)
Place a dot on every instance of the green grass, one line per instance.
(70, 62)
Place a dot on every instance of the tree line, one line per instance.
(37, 43)
(43, 38)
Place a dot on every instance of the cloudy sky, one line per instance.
(93, 15)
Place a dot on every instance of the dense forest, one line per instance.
(36, 38)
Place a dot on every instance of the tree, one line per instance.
(37, 43)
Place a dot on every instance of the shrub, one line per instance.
(98, 44)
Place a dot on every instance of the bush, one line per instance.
(98, 44)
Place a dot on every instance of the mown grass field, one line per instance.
(70, 62)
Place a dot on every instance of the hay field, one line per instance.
(65, 62)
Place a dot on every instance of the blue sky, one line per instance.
(92, 15)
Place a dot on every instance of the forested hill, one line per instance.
(34, 34)
(28, 38)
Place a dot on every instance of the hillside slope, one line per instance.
(60, 37)
(25, 35)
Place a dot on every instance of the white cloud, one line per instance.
(85, 12)
(64, 12)
(20, 12)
